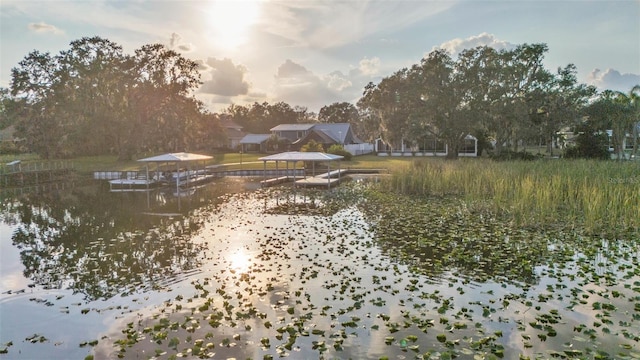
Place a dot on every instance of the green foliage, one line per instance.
(260, 118)
(389, 106)
(590, 144)
(94, 99)
(339, 112)
(337, 149)
(559, 104)
(507, 95)
(619, 112)
(9, 148)
(484, 144)
(10, 108)
(312, 146)
(274, 143)
(508, 155)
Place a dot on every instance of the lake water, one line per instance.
(233, 271)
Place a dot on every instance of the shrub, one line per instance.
(312, 146)
(339, 150)
(589, 145)
(507, 155)
(9, 148)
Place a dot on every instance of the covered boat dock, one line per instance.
(293, 157)
(184, 177)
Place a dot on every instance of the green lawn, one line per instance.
(233, 161)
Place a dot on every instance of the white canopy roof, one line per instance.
(302, 156)
(176, 157)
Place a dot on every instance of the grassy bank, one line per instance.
(596, 195)
(233, 161)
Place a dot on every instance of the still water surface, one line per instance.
(73, 261)
(236, 272)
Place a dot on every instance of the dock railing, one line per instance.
(18, 174)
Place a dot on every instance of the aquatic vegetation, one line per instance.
(597, 196)
(4, 349)
(362, 273)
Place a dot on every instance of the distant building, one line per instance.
(429, 146)
(292, 137)
(233, 132)
(326, 134)
(254, 143)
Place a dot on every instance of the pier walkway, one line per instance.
(18, 174)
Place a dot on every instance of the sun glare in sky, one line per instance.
(231, 21)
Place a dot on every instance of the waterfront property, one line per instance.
(292, 137)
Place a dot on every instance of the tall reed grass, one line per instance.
(594, 195)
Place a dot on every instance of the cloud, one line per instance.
(338, 81)
(455, 46)
(611, 79)
(369, 67)
(227, 79)
(296, 85)
(326, 24)
(175, 43)
(202, 65)
(42, 27)
(291, 70)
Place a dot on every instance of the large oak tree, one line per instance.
(94, 99)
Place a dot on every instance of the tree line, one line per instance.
(506, 96)
(94, 99)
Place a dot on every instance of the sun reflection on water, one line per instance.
(240, 261)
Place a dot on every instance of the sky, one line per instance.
(312, 53)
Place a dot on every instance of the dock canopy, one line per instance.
(295, 156)
(176, 157)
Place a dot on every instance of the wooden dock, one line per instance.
(276, 180)
(318, 181)
(327, 179)
(17, 174)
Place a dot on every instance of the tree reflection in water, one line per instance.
(101, 244)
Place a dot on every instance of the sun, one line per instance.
(231, 21)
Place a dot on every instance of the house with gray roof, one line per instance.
(292, 132)
(292, 137)
(326, 134)
(254, 143)
(233, 132)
